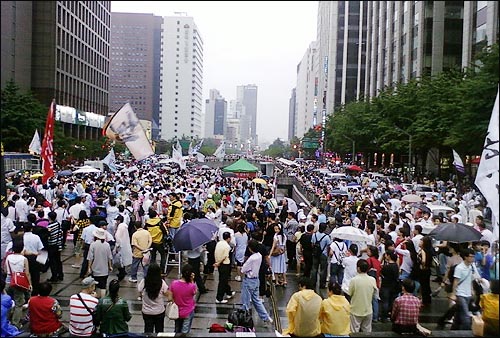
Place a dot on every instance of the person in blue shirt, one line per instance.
(8, 330)
(484, 260)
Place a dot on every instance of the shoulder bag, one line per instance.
(19, 280)
(172, 310)
(92, 313)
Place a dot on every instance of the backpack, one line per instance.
(317, 250)
(448, 287)
(341, 256)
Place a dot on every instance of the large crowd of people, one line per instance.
(121, 227)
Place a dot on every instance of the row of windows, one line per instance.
(83, 96)
(82, 70)
(85, 21)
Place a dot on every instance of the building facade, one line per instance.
(292, 108)
(181, 78)
(215, 115)
(247, 96)
(135, 65)
(60, 50)
(411, 39)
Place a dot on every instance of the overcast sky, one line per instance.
(247, 42)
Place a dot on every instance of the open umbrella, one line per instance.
(194, 234)
(455, 232)
(66, 172)
(259, 181)
(354, 167)
(205, 166)
(86, 169)
(350, 233)
(424, 208)
(411, 198)
(265, 177)
(338, 192)
(36, 175)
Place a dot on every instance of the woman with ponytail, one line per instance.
(112, 312)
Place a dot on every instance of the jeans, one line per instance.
(135, 267)
(442, 264)
(172, 232)
(405, 275)
(250, 294)
(158, 247)
(155, 322)
(223, 288)
(336, 273)
(195, 263)
(319, 265)
(183, 325)
(462, 319)
(55, 261)
(375, 307)
(387, 297)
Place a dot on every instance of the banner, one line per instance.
(125, 126)
(487, 178)
(110, 161)
(200, 157)
(35, 147)
(190, 150)
(197, 147)
(48, 144)
(457, 162)
(177, 155)
(220, 152)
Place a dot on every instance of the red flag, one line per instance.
(48, 145)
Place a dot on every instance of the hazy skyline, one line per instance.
(247, 42)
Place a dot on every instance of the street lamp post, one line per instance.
(353, 147)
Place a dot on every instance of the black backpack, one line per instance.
(317, 250)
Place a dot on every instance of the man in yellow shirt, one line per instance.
(362, 289)
(174, 214)
(141, 241)
(223, 263)
(303, 310)
(489, 306)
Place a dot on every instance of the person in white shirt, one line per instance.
(32, 248)
(8, 227)
(350, 267)
(417, 236)
(22, 208)
(80, 318)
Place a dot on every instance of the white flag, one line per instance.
(110, 160)
(35, 145)
(197, 147)
(487, 178)
(125, 126)
(220, 152)
(200, 157)
(457, 162)
(190, 150)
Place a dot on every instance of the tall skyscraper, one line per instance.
(181, 78)
(215, 115)
(60, 49)
(247, 96)
(341, 38)
(135, 65)
(292, 109)
(409, 39)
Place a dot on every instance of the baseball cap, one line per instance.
(88, 281)
(302, 204)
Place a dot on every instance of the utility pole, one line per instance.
(353, 147)
(409, 149)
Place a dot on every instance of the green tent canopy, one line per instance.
(241, 166)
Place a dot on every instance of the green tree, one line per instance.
(277, 149)
(21, 115)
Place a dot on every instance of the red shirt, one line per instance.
(374, 263)
(406, 309)
(43, 314)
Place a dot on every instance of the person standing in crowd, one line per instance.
(80, 224)
(350, 268)
(100, 260)
(153, 290)
(54, 248)
(425, 261)
(337, 253)
(8, 228)
(182, 292)
(406, 310)
(81, 306)
(112, 312)
(141, 242)
(194, 259)
(122, 247)
(306, 245)
(223, 263)
(320, 263)
(16, 262)
(32, 247)
(303, 311)
(154, 225)
(250, 286)
(278, 260)
(45, 313)
(87, 239)
(335, 312)
(462, 290)
(362, 289)
(389, 286)
(291, 226)
(174, 214)
(241, 239)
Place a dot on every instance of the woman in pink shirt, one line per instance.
(183, 291)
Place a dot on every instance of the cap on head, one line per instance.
(88, 282)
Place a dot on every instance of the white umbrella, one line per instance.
(130, 169)
(292, 206)
(411, 198)
(350, 233)
(86, 169)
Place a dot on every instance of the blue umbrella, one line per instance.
(194, 234)
(66, 172)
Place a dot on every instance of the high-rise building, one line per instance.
(341, 38)
(135, 65)
(410, 39)
(60, 50)
(292, 109)
(215, 115)
(306, 93)
(181, 78)
(247, 96)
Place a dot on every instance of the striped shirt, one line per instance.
(80, 320)
(55, 234)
